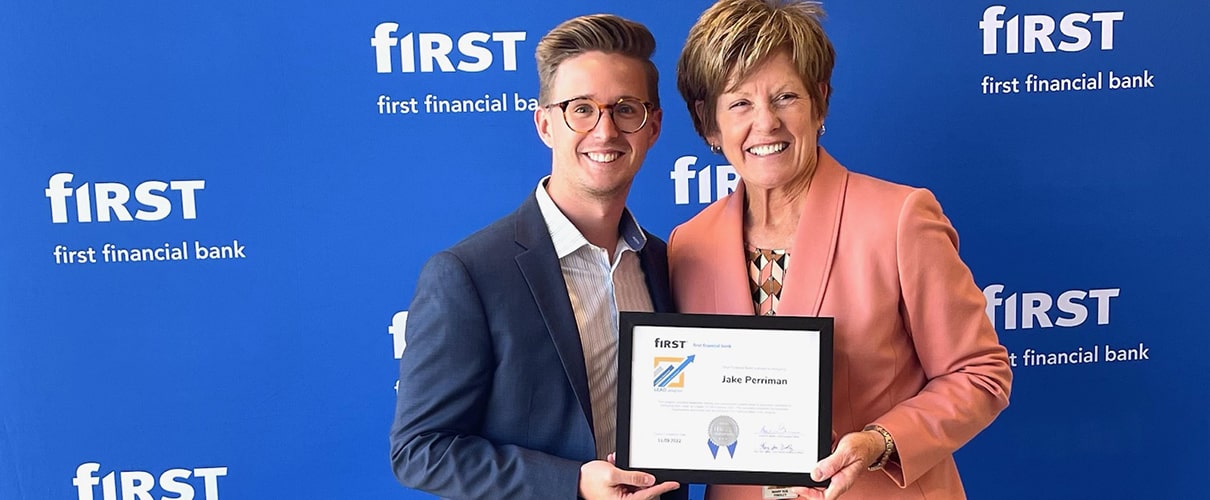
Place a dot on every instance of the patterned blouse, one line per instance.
(766, 271)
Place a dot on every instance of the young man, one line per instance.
(507, 386)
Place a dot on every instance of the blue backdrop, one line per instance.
(262, 135)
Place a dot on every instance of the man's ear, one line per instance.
(542, 123)
(655, 123)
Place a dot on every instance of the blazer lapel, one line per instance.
(732, 292)
(540, 266)
(654, 262)
(815, 240)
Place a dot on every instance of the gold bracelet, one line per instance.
(887, 441)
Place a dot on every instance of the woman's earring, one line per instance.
(715, 149)
(823, 129)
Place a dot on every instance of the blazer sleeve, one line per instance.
(445, 380)
(967, 370)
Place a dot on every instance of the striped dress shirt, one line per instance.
(599, 287)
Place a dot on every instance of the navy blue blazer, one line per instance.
(493, 395)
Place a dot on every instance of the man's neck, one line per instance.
(597, 219)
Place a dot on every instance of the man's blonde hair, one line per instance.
(601, 33)
(733, 37)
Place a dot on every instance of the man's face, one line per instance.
(599, 163)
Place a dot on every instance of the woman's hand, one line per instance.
(854, 453)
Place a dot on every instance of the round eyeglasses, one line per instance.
(582, 114)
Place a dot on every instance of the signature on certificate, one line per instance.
(776, 447)
(777, 431)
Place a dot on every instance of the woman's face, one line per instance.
(767, 126)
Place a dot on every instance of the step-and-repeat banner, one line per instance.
(212, 218)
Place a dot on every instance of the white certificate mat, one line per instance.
(724, 399)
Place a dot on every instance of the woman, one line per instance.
(918, 370)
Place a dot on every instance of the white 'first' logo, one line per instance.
(1036, 30)
(111, 199)
(436, 48)
(724, 181)
(137, 484)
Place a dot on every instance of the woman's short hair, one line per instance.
(733, 37)
(601, 33)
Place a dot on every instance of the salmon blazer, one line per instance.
(914, 349)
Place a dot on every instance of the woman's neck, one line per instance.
(771, 214)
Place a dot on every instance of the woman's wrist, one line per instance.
(885, 449)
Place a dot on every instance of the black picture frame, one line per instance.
(790, 324)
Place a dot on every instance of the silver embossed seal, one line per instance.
(724, 433)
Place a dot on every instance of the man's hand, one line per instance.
(600, 479)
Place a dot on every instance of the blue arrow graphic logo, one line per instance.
(666, 376)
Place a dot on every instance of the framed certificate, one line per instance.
(724, 399)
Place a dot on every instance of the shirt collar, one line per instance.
(567, 238)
